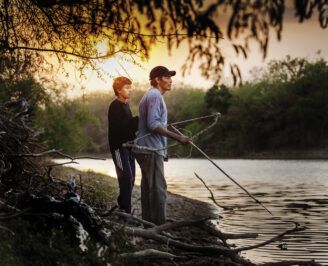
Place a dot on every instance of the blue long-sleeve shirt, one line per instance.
(152, 114)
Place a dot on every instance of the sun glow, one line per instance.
(119, 65)
(292, 43)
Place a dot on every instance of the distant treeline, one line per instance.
(285, 107)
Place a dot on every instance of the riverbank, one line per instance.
(102, 190)
(179, 208)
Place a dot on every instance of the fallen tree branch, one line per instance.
(58, 152)
(296, 228)
(173, 225)
(218, 250)
(212, 195)
(61, 164)
(225, 236)
(155, 231)
(7, 229)
(152, 234)
(130, 216)
(8, 207)
(150, 254)
(10, 216)
(291, 262)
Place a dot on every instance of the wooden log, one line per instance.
(150, 254)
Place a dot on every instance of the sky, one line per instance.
(298, 40)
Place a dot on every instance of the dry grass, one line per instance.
(98, 190)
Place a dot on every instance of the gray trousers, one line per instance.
(153, 188)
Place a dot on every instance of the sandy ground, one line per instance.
(178, 207)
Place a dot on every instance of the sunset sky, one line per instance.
(298, 40)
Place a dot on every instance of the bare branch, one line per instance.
(292, 262)
(7, 229)
(173, 225)
(58, 152)
(108, 55)
(150, 253)
(6, 206)
(296, 228)
(224, 236)
(212, 195)
(130, 216)
(10, 216)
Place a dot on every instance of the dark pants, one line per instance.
(125, 169)
(153, 188)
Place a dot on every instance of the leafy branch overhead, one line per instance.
(72, 29)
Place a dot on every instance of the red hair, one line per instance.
(119, 82)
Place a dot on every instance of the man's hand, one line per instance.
(184, 139)
(181, 138)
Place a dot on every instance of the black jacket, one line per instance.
(122, 126)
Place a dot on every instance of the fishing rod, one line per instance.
(195, 119)
(218, 167)
(131, 144)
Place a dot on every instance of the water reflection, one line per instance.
(293, 190)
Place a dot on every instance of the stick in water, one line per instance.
(212, 195)
(218, 167)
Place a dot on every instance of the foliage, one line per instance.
(28, 89)
(284, 110)
(22, 86)
(185, 103)
(63, 126)
(71, 29)
(218, 98)
(62, 121)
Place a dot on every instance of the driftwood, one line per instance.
(150, 253)
(154, 233)
(6, 229)
(290, 263)
(212, 195)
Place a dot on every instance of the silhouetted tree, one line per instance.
(218, 98)
(72, 28)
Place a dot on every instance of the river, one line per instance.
(293, 190)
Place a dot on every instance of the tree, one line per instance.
(27, 89)
(218, 98)
(72, 28)
(64, 127)
(286, 109)
(285, 70)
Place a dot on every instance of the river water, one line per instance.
(293, 190)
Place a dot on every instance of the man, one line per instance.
(121, 128)
(152, 133)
